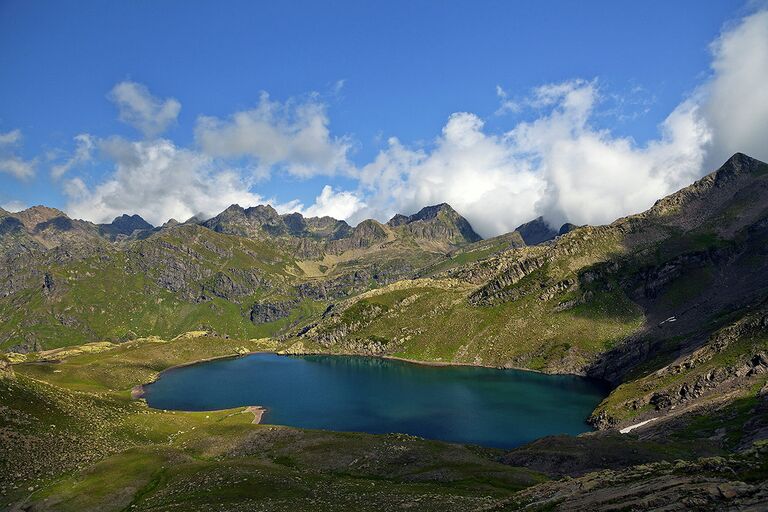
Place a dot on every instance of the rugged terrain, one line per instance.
(670, 306)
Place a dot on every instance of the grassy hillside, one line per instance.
(668, 305)
(72, 439)
(66, 285)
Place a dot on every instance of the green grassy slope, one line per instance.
(72, 439)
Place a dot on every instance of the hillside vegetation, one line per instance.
(670, 306)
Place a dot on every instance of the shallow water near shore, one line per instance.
(501, 408)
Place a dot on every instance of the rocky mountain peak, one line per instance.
(233, 210)
(566, 228)
(426, 213)
(740, 163)
(124, 225)
(398, 220)
(438, 222)
(263, 213)
(295, 222)
(536, 231)
(741, 179)
(129, 223)
(431, 212)
(35, 215)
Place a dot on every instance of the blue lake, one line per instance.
(502, 408)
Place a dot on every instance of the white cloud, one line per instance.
(560, 166)
(735, 101)
(147, 113)
(12, 163)
(556, 163)
(507, 105)
(11, 138)
(13, 206)
(474, 172)
(83, 153)
(159, 181)
(293, 136)
(339, 204)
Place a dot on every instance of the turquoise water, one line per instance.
(502, 408)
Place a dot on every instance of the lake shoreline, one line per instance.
(242, 382)
(258, 413)
(138, 392)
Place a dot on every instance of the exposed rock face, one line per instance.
(262, 313)
(706, 374)
(48, 284)
(264, 222)
(536, 231)
(353, 282)
(234, 284)
(566, 228)
(313, 237)
(707, 197)
(364, 235)
(35, 215)
(10, 225)
(499, 288)
(439, 222)
(714, 483)
(124, 225)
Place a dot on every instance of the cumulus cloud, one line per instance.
(83, 153)
(592, 176)
(339, 204)
(556, 163)
(10, 138)
(10, 162)
(294, 136)
(473, 171)
(735, 101)
(159, 181)
(560, 166)
(140, 109)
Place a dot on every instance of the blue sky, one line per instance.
(365, 72)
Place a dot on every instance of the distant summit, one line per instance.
(124, 225)
(263, 222)
(538, 231)
(437, 222)
(440, 227)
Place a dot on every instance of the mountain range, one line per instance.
(669, 306)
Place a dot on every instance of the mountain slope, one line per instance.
(615, 302)
(246, 272)
(670, 306)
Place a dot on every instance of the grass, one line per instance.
(437, 324)
(71, 434)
